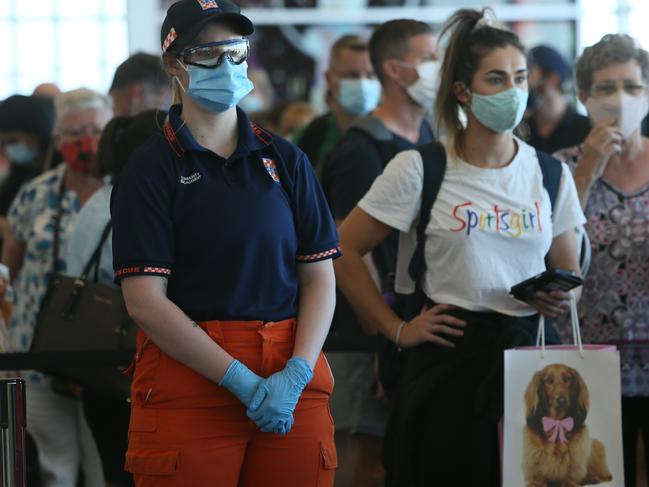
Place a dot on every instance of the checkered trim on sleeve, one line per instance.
(326, 254)
(141, 271)
(171, 36)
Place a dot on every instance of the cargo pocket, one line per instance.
(151, 462)
(329, 463)
(329, 454)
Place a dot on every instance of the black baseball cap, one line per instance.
(186, 18)
(549, 59)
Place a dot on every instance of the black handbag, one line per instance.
(86, 324)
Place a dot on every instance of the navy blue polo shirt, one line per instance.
(229, 234)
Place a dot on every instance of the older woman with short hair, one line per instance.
(611, 172)
(55, 420)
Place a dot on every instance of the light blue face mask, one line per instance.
(359, 96)
(502, 111)
(20, 154)
(221, 88)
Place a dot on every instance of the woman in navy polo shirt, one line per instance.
(223, 245)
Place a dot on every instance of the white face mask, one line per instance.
(424, 90)
(627, 111)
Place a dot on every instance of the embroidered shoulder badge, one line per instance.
(271, 168)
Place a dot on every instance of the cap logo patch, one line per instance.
(208, 4)
(271, 168)
(171, 36)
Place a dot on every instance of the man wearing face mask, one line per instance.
(554, 124)
(25, 133)
(403, 54)
(352, 91)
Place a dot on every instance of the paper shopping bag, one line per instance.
(562, 422)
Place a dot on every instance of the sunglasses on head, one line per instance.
(212, 54)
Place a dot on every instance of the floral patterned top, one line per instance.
(614, 307)
(31, 218)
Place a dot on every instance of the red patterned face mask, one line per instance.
(80, 154)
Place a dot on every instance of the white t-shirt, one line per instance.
(489, 228)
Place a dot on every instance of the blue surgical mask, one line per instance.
(502, 111)
(359, 96)
(20, 154)
(221, 88)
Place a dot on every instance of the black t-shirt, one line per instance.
(348, 173)
(571, 131)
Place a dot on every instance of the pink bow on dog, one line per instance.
(560, 427)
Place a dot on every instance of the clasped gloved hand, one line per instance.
(274, 402)
(241, 381)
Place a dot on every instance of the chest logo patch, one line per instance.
(190, 179)
(271, 168)
(207, 4)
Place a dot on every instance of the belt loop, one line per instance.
(266, 350)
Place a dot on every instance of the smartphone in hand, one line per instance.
(550, 280)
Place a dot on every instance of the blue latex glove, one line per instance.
(241, 381)
(274, 402)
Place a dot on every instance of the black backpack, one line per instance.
(433, 158)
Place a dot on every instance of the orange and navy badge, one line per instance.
(208, 4)
(271, 168)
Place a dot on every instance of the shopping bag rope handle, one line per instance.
(576, 330)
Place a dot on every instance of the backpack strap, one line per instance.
(433, 159)
(310, 140)
(552, 170)
(378, 134)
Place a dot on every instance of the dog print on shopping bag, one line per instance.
(557, 446)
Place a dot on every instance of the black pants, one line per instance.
(635, 418)
(108, 418)
(443, 429)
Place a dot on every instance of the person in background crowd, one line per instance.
(553, 123)
(140, 83)
(25, 140)
(352, 91)
(443, 428)
(56, 421)
(403, 54)
(25, 134)
(295, 117)
(222, 243)
(46, 90)
(108, 416)
(611, 171)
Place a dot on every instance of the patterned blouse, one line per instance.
(31, 218)
(614, 307)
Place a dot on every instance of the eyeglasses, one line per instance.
(211, 55)
(610, 87)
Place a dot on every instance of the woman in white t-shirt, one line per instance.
(492, 225)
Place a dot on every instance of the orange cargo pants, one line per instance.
(187, 431)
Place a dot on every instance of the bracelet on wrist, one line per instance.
(398, 334)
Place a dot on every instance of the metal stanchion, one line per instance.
(13, 421)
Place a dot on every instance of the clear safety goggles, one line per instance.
(211, 55)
